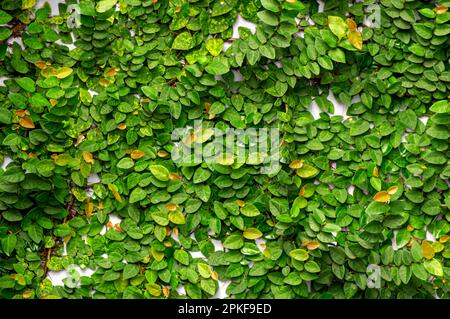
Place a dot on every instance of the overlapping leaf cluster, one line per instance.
(359, 207)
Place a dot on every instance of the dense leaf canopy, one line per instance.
(357, 208)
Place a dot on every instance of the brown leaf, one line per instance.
(22, 113)
(355, 38)
(111, 72)
(137, 154)
(26, 122)
(171, 207)
(174, 177)
(427, 250)
(311, 245)
(351, 24)
(42, 65)
(382, 197)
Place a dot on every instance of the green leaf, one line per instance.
(299, 254)
(105, 5)
(312, 266)
(181, 256)
(125, 163)
(183, 41)
(278, 90)
(233, 242)
(130, 271)
(160, 172)
(271, 5)
(268, 18)
(250, 210)
(9, 244)
(5, 17)
(27, 84)
(338, 26)
(337, 55)
(434, 267)
(307, 171)
(441, 107)
(177, 218)
(218, 66)
(137, 195)
(214, 46)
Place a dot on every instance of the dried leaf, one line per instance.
(26, 122)
(382, 197)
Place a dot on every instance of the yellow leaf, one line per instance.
(162, 153)
(392, 190)
(137, 154)
(104, 82)
(444, 239)
(296, 164)
(252, 233)
(166, 291)
(311, 245)
(267, 253)
(351, 24)
(118, 228)
(437, 246)
(214, 275)
(28, 4)
(440, 9)
(63, 72)
(427, 250)
(113, 189)
(158, 255)
(53, 102)
(26, 122)
(240, 202)
(375, 172)
(171, 207)
(382, 197)
(88, 158)
(355, 38)
(89, 208)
